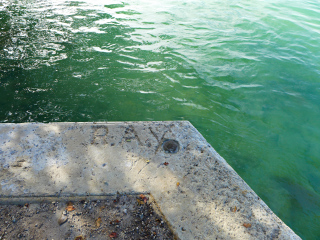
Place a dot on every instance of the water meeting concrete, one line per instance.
(198, 192)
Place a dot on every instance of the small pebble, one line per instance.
(62, 219)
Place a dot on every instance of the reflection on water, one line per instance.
(246, 74)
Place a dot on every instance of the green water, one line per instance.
(245, 73)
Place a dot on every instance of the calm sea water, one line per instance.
(245, 73)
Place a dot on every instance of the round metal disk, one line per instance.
(170, 146)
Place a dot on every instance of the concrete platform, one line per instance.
(201, 196)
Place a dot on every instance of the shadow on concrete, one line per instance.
(200, 195)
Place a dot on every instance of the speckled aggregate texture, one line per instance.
(118, 216)
(201, 196)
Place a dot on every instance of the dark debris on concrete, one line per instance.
(111, 217)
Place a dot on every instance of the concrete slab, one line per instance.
(201, 196)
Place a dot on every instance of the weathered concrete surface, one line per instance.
(201, 196)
